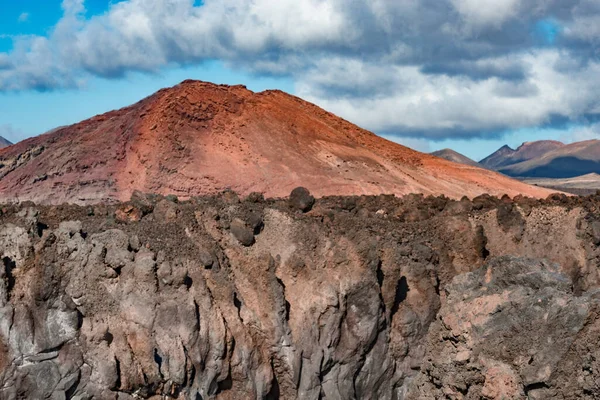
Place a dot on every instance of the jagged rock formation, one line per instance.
(352, 297)
(199, 138)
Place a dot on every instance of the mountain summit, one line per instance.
(454, 156)
(200, 138)
(566, 161)
(505, 155)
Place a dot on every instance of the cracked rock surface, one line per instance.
(356, 298)
(508, 330)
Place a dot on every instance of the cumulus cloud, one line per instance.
(581, 133)
(436, 106)
(23, 17)
(416, 68)
(484, 12)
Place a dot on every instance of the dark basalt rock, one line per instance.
(242, 232)
(301, 199)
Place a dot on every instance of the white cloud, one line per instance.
(487, 12)
(419, 103)
(434, 67)
(23, 17)
(73, 7)
(581, 133)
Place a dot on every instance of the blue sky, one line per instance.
(469, 75)
(37, 17)
(67, 106)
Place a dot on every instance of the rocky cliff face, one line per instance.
(348, 297)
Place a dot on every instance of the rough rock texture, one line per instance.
(198, 138)
(301, 199)
(513, 329)
(361, 297)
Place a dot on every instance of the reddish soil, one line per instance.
(199, 138)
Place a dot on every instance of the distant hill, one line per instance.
(566, 161)
(4, 142)
(506, 156)
(454, 156)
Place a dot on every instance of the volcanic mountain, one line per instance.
(566, 161)
(4, 142)
(201, 138)
(529, 150)
(454, 156)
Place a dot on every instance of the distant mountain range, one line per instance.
(548, 163)
(540, 159)
(506, 156)
(566, 161)
(4, 142)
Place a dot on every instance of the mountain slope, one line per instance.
(567, 161)
(498, 157)
(4, 142)
(505, 155)
(454, 156)
(200, 138)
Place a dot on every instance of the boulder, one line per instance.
(301, 199)
(242, 232)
